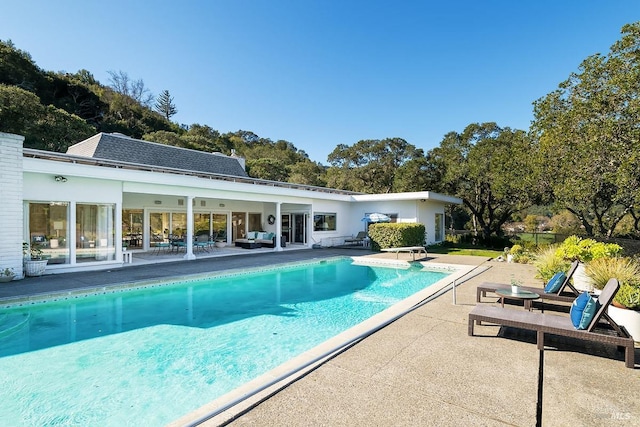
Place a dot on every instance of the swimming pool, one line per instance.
(148, 355)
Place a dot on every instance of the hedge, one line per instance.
(394, 235)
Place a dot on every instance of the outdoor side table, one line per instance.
(525, 296)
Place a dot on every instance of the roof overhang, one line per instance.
(416, 195)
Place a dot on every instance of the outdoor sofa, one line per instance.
(265, 239)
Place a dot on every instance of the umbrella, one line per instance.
(376, 217)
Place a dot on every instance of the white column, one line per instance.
(278, 246)
(12, 211)
(188, 240)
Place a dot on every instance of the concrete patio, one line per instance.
(422, 369)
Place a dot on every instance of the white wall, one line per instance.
(11, 213)
(410, 211)
(344, 222)
(42, 187)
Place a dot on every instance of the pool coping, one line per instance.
(89, 291)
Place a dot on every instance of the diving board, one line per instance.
(410, 249)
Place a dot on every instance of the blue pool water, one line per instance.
(150, 355)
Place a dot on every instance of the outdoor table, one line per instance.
(525, 296)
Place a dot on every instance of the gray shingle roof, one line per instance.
(113, 146)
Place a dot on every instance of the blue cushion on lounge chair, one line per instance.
(582, 310)
(553, 285)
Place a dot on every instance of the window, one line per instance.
(95, 232)
(201, 226)
(255, 222)
(48, 230)
(159, 225)
(439, 227)
(220, 227)
(324, 221)
(132, 226)
(178, 224)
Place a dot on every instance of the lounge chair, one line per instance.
(566, 293)
(358, 240)
(560, 325)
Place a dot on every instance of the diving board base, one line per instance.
(413, 250)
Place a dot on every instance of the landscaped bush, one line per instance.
(495, 242)
(386, 235)
(548, 263)
(600, 270)
(584, 250)
(628, 295)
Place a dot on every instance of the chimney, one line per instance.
(238, 158)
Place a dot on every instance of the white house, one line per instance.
(81, 206)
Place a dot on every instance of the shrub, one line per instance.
(548, 262)
(521, 254)
(600, 270)
(452, 238)
(629, 295)
(516, 250)
(495, 242)
(384, 235)
(584, 250)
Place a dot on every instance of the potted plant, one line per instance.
(34, 265)
(515, 286)
(514, 253)
(6, 275)
(625, 310)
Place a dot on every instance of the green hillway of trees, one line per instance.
(580, 155)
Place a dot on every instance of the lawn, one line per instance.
(490, 253)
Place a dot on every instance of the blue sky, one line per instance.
(319, 73)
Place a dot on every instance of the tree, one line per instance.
(165, 106)
(373, 165)
(565, 222)
(44, 127)
(589, 139)
(134, 89)
(489, 168)
(268, 168)
(308, 172)
(531, 223)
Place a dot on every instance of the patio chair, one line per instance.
(550, 324)
(562, 294)
(359, 239)
(201, 242)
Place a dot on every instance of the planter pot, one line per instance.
(515, 289)
(630, 319)
(220, 244)
(6, 279)
(581, 281)
(35, 267)
(509, 257)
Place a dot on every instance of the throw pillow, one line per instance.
(582, 310)
(553, 285)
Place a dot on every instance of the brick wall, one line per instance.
(11, 213)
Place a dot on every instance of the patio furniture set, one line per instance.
(588, 320)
